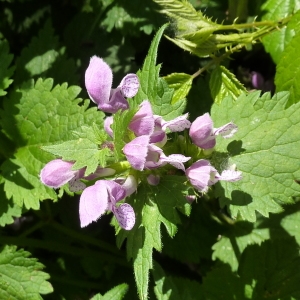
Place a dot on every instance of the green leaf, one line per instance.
(45, 58)
(222, 283)
(149, 74)
(21, 276)
(154, 205)
(271, 270)
(186, 18)
(199, 35)
(266, 271)
(234, 241)
(167, 287)
(8, 209)
(131, 17)
(181, 83)
(162, 104)
(224, 83)
(116, 293)
(276, 42)
(265, 149)
(84, 151)
(155, 89)
(288, 75)
(5, 71)
(35, 117)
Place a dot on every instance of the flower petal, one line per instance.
(125, 216)
(57, 173)
(142, 122)
(227, 130)
(116, 192)
(178, 124)
(116, 102)
(107, 125)
(176, 160)
(136, 151)
(153, 157)
(201, 132)
(130, 185)
(75, 185)
(201, 175)
(129, 85)
(230, 175)
(98, 80)
(93, 203)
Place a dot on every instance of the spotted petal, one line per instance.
(125, 216)
(129, 85)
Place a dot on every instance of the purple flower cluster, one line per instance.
(143, 152)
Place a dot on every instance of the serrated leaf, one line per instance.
(266, 271)
(271, 270)
(21, 276)
(45, 58)
(132, 17)
(234, 241)
(155, 89)
(265, 150)
(5, 71)
(38, 116)
(84, 151)
(162, 104)
(288, 75)
(276, 42)
(8, 209)
(222, 283)
(149, 74)
(181, 83)
(116, 293)
(187, 19)
(230, 246)
(224, 83)
(153, 206)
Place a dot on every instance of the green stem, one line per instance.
(32, 229)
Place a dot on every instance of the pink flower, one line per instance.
(98, 82)
(202, 175)
(143, 155)
(58, 172)
(142, 122)
(103, 196)
(145, 123)
(203, 134)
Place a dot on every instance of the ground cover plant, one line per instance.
(149, 149)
